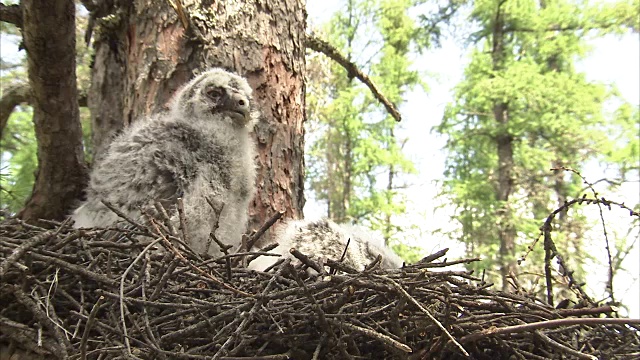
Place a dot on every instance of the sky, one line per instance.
(613, 60)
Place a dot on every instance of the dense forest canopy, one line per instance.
(523, 106)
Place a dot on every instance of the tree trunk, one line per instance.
(149, 49)
(50, 39)
(348, 174)
(504, 142)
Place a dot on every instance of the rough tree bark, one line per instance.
(146, 50)
(48, 30)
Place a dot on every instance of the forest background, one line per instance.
(564, 73)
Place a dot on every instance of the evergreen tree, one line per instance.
(354, 158)
(522, 109)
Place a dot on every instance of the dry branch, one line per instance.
(11, 14)
(319, 45)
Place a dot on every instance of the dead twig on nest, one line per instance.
(89, 297)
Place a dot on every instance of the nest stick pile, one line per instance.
(141, 294)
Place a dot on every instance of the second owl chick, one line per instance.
(324, 239)
(200, 149)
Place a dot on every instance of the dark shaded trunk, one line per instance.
(506, 230)
(50, 42)
(504, 143)
(149, 49)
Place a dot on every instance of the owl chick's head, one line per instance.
(216, 92)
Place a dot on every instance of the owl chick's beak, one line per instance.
(238, 107)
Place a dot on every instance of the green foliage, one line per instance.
(19, 162)
(409, 254)
(623, 149)
(354, 158)
(523, 60)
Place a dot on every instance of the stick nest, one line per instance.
(107, 294)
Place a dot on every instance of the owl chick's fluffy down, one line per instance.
(200, 149)
(324, 239)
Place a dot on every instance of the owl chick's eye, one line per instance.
(214, 93)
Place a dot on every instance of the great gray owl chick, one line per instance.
(324, 239)
(200, 149)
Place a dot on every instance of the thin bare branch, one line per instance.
(547, 325)
(11, 14)
(13, 97)
(319, 45)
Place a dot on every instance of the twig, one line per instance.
(448, 263)
(224, 248)
(564, 348)
(316, 44)
(609, 284)
(75, 269)
(373, 264)
(586, 311)
(307, 261)
(383, 338)
(173, 311)
(123, 215)
(248, 316)
(268, 224)
(212, 236)
(551, 251)
(88, 326)
(20, 250)
(43, 319)
(25, 335)
(197, 269)
(183, 221)
(434, 256)
(179, 9)
(164, 279)
(284, 356)
(122, 279)
(191, 329)
(316, 352)
(321, 318)
(11, 14)
(263, 251)
(545, 325)
(165, 217)
(344, 254)
(412, 300)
